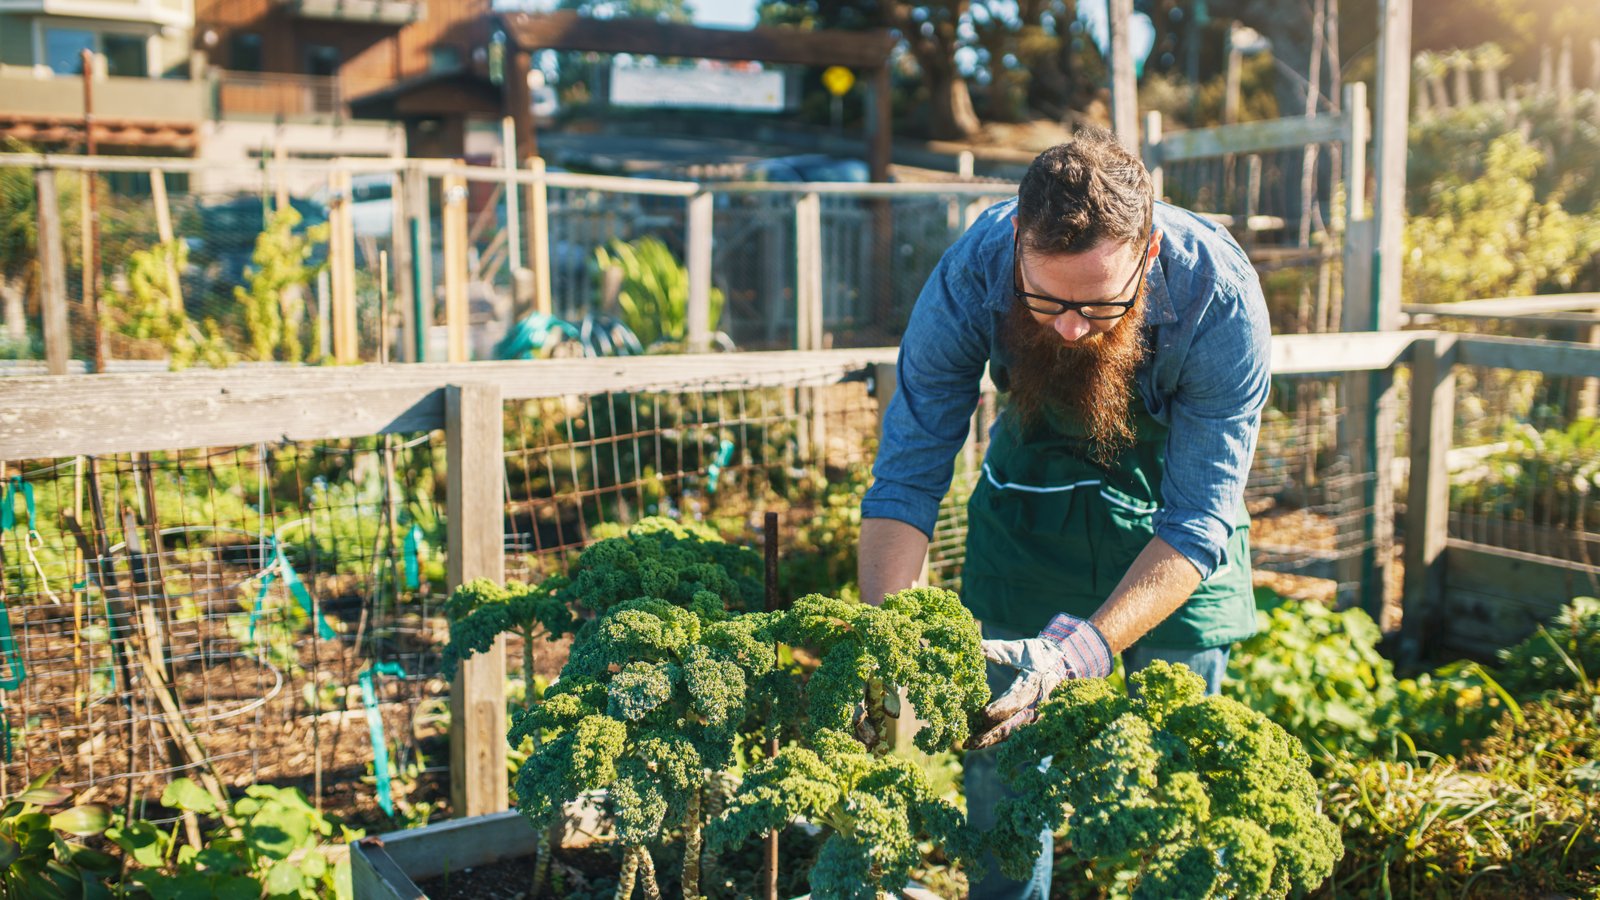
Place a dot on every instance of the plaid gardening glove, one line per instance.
(1069, 647)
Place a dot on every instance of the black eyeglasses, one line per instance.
(1090, 309)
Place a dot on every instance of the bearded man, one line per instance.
(1131, 339)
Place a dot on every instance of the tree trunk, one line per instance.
(951, 106)
(933, 38)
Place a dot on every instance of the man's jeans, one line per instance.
(982, 779)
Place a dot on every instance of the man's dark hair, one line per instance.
(1080, 193)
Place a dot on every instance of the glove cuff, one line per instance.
(1085, 651)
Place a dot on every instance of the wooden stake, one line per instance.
(769, 547)
(164, 233)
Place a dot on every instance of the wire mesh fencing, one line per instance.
(210, 613)
(1525, 463)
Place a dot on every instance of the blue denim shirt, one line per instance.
(1206, 378)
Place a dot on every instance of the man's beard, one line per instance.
(1088, 380)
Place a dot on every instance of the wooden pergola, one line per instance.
(865, 52)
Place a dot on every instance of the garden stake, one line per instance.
(380, 747)
(146, 473)
(769, 549)
(119, 650)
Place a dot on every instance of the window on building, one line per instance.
(444, 59)
(322, 60)
(125, 55)
(244, 52)
(63, 49)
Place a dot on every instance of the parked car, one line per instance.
(810, 167)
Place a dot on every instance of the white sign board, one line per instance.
(718, 88)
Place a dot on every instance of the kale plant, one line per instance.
(1165, 792)
(922, 640)
(876, 810)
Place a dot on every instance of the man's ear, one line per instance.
(1013, 224)
(1155, 244)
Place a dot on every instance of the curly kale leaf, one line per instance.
(1166, 792)
(688, 566)
(876, 810)
(922, 640)
(481, 610)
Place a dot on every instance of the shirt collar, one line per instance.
(1158, 305)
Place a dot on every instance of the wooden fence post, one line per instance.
(474, 435)
(1150, 150)
(404, 269)
(508, 163)
(698, 326)
(808, 272)
(455, 266)
(539, 237)
(52, 274)
(1433, 395)
(342, 267)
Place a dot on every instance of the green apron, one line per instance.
(1051, 530)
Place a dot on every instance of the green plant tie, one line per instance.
(714, 471)
(31, 541)
(291, 578)
(9, 658)
(280, 568)
(380, 747)
(267, 579)
(8, 513)
(413, 546)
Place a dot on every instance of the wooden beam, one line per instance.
(1433, 395)
(52, 274)
(1330, 354)
(474, 436)
(566, 30)
(1528, 354)
(1251, 137)
(43, 416)
(1508, 307)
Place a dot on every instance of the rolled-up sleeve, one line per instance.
(1215, 421)
(939, 369)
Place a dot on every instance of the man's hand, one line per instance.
(1069, 647)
